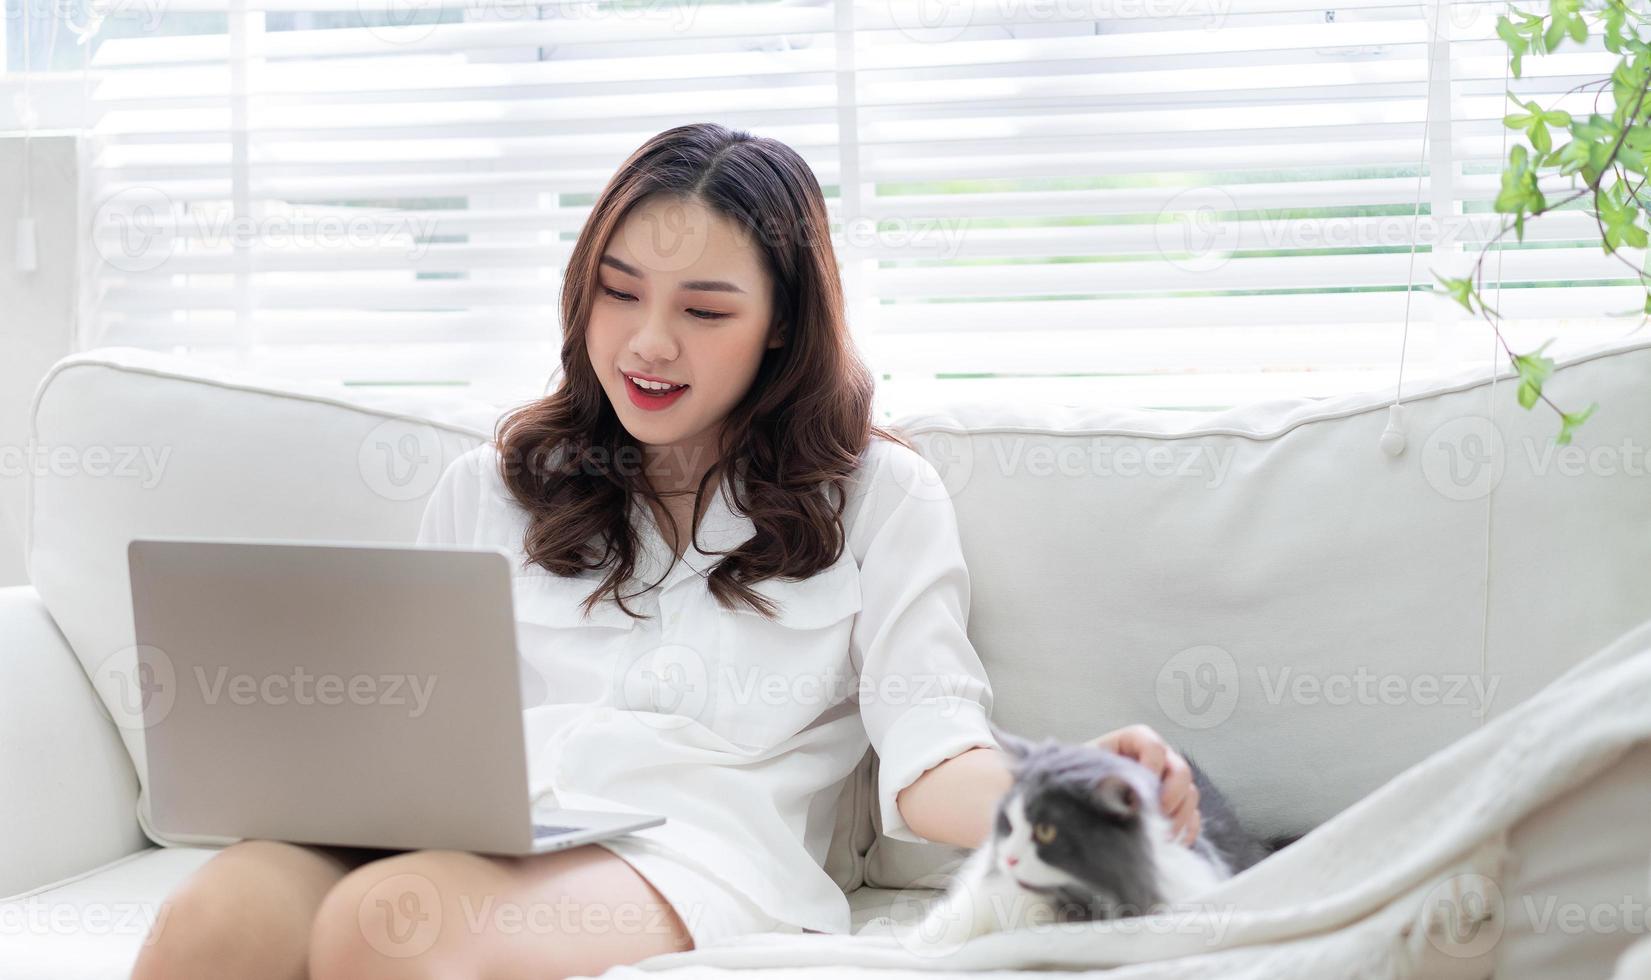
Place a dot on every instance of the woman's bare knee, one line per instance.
(245, 913)
(452, 913)
(400, 917)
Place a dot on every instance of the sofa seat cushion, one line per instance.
(105, 914)
(92, 926)
(903, 905)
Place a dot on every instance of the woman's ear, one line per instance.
(777, 336)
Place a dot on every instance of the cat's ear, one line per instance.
(1016, 746)
(1115, 795)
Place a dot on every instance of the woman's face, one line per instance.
(682, 296)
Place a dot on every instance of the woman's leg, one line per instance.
(246, 912)
(452, 913)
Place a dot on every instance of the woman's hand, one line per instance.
(1179, 796)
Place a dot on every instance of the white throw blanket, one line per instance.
(1394, 886)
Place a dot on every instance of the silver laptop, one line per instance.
(362, 695)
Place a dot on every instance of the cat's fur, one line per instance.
(1106, 849)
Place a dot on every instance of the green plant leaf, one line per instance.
(1569, 421)
(1534, 370)
(1519, 193)
(1622, 90)
(1571, 157)
(1531, 26)
(1615, 17)
(1461, 290)
(1619, 217)
(1540, 140)
(1556, 30)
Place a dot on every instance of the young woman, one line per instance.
(729, 583)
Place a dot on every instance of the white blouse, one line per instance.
(739, 730)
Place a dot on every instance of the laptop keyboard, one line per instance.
(544, 830)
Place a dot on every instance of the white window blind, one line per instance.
(1176, 204)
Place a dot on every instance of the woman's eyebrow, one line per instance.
(708, 286)
(693, 285)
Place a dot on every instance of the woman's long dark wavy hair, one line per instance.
(796, 435)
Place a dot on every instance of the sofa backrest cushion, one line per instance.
(1300, 612)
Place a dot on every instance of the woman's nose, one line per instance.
(653, 344)
(654, 337)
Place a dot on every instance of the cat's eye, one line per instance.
(1043, 833)
(1002, 822)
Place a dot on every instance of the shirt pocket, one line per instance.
(556, 602)
(773, 678)
(566, 657)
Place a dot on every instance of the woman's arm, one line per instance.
(954, 802)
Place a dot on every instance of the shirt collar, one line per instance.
(723, 527)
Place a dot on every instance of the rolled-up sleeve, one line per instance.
(924, 694)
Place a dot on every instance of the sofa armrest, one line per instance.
(70, 793)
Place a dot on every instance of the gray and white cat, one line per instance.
(1080, 835)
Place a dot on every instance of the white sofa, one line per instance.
(1304, 613)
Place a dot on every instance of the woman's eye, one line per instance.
(1044, 832)
(696, 314)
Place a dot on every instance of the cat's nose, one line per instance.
(1011, 860)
